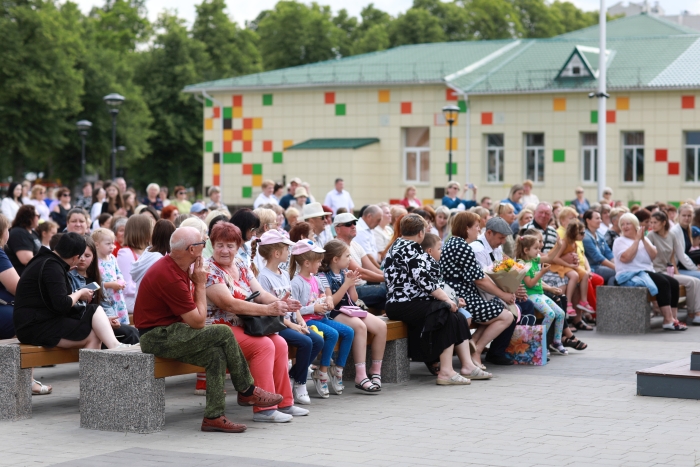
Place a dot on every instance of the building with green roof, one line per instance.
(376, 121)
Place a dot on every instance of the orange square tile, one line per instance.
(257, 180)
(208, 123)
(247, 135)
(216, 169)
(559, 104)
(238, 112)
(384, 95)
(622, 103)
(228, 135)
(286, 143)
(447, 144)
(257, 123)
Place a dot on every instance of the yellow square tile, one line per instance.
(447, 144)
(559, 104)
(208, 123)
(257, 180)
(622, 103)
(257, 123)
(216, 169)
(238, 112)
(228, 135)
(286, 143)
(384, 95)
(247, 135)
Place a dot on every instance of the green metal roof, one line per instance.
(644, 52)
(334, 143)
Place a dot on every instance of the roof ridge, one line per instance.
(680, 27)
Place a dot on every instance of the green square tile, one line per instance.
(277, 157)
(677, 204)
(340, 109)
(233, 158)
(632, 203)
(209, 103)
(594, 116)
(228, 112)
(247, 192)
(462, 106)
(567, 203)
(209, 146)
(559, 155)
(454, 168)
(267, 99)
(257, 169)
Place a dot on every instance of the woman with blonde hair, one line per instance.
(410, 199)
(442, 218)
(36, 199)
(484, 216)
(506, 212)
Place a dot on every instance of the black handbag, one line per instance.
(259, 326)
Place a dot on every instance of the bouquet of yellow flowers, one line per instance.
(508, 274)
(509, 264)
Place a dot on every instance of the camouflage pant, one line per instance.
(213, 347)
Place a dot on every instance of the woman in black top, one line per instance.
(48, 314)
(60, 211)
(23, 243)
(415, 297)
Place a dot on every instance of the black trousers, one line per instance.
(668, 289)
(127, 334)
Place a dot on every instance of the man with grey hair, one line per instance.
(121, 184)
(172, 325)
(371, 217)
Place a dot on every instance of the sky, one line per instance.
(246, 10)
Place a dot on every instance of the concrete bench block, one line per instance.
(622, 310)
(118, 392)
(396, 368)
(15, 385)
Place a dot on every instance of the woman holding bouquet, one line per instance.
(462, 272)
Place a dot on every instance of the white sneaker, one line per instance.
(336, 381)
(294, 411)
(321, 385)
(274, 417)
(301, 394)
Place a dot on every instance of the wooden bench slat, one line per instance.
(39, 356)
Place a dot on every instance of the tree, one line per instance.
(493, 19)
(573, 19)
(416, 26)
(539, 19)
(123, 25)
(347, 32)
(453, 18)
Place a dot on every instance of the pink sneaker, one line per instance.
(585, 306)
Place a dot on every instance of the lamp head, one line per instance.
(450, 112)
(114, 99)
(84, 125)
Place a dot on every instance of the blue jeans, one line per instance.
(308, 346)
(374, 296)
(332, 331)
(685, 272)
(606, 273)
(7, 326)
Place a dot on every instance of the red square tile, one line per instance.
(406, 108)
(247, 169)
(687, 102)
(227, 146)
(451, 94)
(217, 112)
(238, 101)
(487, 118)
(329, 98)
(238, 135)
(661, 155)
(610, 116)
(247, 146)
(267, 146)
(674, 168)
(248, 123)
(217, 180)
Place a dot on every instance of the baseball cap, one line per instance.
(498, 225)
(344, 218)
(198, 207)
(304, 246)
(274, 236)
(696, 231)
(312, 210)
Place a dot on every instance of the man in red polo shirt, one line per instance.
(171, 324)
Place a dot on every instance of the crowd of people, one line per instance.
(243, 287)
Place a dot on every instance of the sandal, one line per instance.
(43, 389)
(455, 380)
(371, 389)
(376, 380)
(574, 343)
(433, 368)
(582, 326)
(570, 310)
(478, 373)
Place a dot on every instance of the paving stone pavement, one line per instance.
(579, 410)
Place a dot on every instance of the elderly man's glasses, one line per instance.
(197, 244)
(348, 224)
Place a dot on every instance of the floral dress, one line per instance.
(113, 303)
(240, 289)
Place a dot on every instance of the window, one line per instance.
(416, 155)
(494, 158)
(692, 156)
(589, 157)
(633, 157)
(534, 156)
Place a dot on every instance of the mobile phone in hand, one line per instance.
(94, 286)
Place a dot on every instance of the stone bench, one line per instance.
(622, 310)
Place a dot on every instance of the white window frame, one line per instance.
(500, 159)
(696, 149)
(537, 168)
(420, 153)
(635, 148)
(594, 150)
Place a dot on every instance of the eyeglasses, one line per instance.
(65, 194)
(348, 224)
(197, 244)
(181, 192)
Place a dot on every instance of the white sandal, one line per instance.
(456, 380)
(43, 389)
(478, 373)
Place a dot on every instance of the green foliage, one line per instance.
(416, 26)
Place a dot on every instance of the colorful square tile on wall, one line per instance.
(406, 108)
(687, 102)
(329, 98)
(384, 95)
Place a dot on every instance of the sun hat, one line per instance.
(198, 207)
(499, 225)
(306, 245)
(274, 236)
(344, 218)
(312, 210)
(300, 191)
(296, 180)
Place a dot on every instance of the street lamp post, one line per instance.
(450, 112)
(114, 100)
(83, 128)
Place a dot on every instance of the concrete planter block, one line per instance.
(118, 392)
(396, 368)
(623, 310)
(15, 385)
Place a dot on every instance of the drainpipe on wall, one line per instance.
(468, 129)
(221, 142)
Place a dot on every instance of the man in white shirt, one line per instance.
(371, 217)
(339, 198)
(266, 197)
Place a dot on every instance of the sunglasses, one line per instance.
(181, 192)
(348, 224)
(66, 194)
